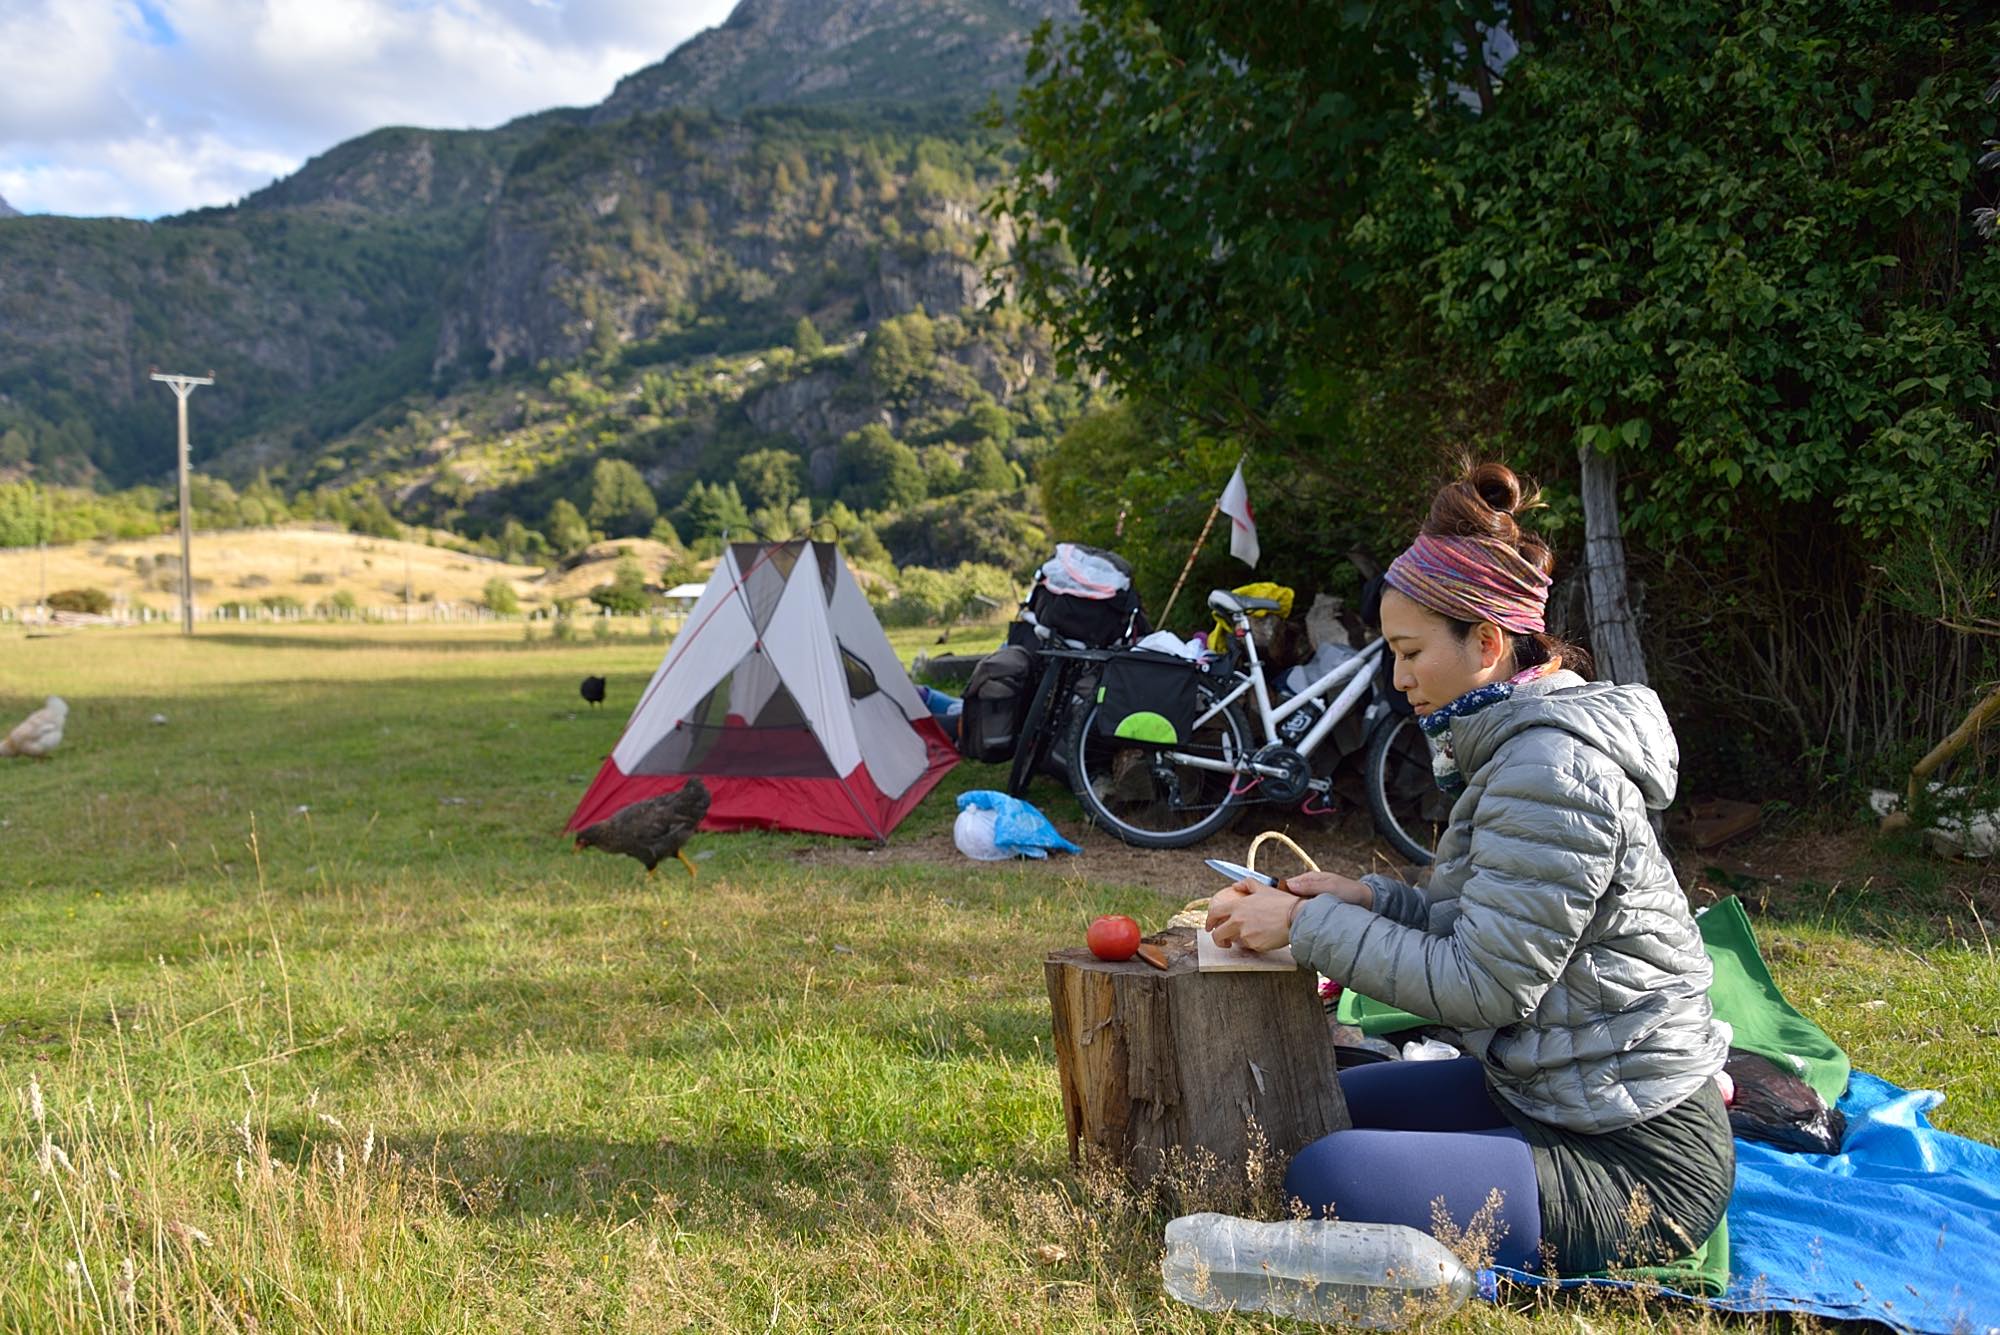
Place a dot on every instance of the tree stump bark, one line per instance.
(1153, 1063)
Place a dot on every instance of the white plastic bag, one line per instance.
(973, 832)
(1082, 573)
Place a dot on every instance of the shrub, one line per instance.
(500, 597)
(95, 601)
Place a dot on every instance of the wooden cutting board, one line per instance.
(1211, 958)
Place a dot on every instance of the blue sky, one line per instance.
(138, 108)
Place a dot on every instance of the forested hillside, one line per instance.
(745, 282)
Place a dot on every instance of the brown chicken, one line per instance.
(653, 830)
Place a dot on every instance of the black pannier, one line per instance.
(1148, 698)
(996, 700)
(1083, 594)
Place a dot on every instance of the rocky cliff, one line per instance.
(799, 52)
(8, 210)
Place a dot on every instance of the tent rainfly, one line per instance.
(782, 693)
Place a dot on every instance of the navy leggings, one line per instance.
(1424, 1131)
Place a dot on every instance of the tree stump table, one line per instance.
(1157, 1062)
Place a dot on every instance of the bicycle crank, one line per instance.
(1286, 775)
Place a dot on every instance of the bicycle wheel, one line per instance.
(1032, 742)
(1145, 799)
(1404, 799)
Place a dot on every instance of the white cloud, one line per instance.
(147, 107)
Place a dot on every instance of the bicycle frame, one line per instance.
(1352, 679)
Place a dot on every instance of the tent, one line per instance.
(782, 693)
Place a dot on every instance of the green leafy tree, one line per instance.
(710, 510)
(924, 597)
(518, 544)
(989, 528)
(373, 518)
(985, 420)
(856, 535)
(875, 471)
(500, 597)
(770, 478)
(806, 338)
(26, 517)
(566, 529)
(621, 504)
(987, 469)
(943, 474)
(626, 593)
(1708, 263)
(899, 355)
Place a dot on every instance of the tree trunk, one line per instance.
(1157, 1067)
(1614, 638)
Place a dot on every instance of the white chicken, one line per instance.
(39, 733)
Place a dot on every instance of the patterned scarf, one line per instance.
(1473, 579)
(1437, 723)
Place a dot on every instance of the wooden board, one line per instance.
(1211, 958)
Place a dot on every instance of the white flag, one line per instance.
(1243, 525)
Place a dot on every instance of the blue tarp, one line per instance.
(1901, 1227)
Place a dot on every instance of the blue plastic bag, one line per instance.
(1018, 828)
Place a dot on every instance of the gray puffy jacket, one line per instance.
(1553, 933)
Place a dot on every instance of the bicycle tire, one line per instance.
(1033, 740)
(1396, 745)
(1106, 776)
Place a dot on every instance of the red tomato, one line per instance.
(1113, 937)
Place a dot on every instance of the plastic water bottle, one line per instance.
(1376, 1275)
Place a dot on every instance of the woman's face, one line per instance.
(1433, 665)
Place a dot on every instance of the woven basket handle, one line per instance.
(1250, 859)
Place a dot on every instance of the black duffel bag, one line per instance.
(1097, 608)
(1148, 698)
(996, 701)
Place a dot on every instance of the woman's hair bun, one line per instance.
(1500, 488)
(1482, 503)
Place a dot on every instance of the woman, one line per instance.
(1552, 934)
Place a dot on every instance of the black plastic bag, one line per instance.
(1778, 1108)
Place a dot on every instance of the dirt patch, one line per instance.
(1344, 843)
(1777, 869)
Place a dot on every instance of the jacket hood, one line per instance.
(1626, 723)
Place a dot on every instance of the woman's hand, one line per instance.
(1256, 917)
(1309, 883)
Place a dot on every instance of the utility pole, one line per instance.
(184, 385)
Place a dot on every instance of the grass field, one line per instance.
(309, 1020)
(245, 565)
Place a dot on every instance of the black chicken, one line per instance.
(592, 690)
(653, 830)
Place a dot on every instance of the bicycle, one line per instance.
(1154, 796)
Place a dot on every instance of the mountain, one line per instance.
(8, 210)
(458, 325)
(800, 52)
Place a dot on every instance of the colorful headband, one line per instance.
(1473, 579)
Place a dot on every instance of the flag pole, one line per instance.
(1213, 510)
(1195, 551)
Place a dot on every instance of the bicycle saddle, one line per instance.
(1236, 604)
